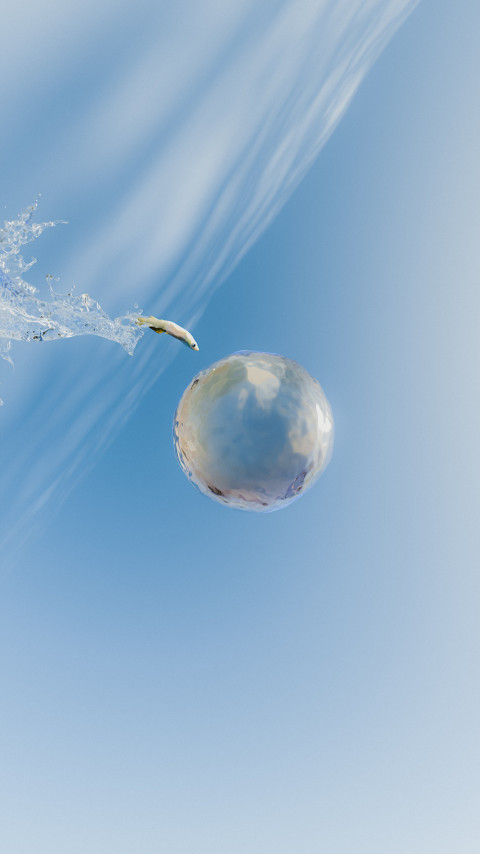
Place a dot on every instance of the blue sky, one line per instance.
(178, 677)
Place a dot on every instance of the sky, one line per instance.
(179, 677)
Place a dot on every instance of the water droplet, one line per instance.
(253, 431)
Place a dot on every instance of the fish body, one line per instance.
(158, 325)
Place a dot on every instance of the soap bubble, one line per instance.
(253, 431)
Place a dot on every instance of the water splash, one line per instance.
(25, 316)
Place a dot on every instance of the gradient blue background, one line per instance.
(180, 678)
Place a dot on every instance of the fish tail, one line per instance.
(151, 321)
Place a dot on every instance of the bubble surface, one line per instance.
(253, 431)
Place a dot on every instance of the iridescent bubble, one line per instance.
(253, 431)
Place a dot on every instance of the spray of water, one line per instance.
(25, 316)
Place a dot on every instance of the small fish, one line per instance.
(170, 328)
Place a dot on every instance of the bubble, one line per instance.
(253, 431)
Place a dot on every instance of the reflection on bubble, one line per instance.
(253, 431)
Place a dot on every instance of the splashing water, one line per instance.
(24, 316)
